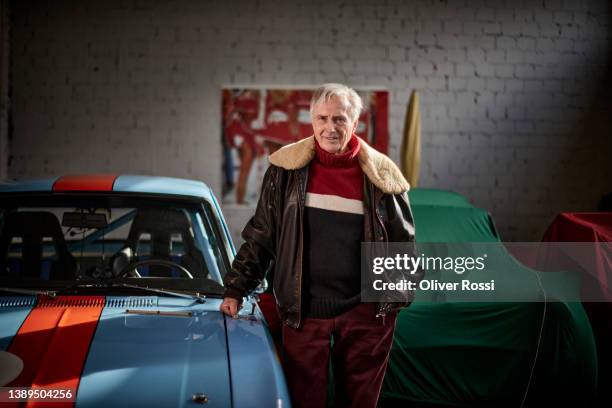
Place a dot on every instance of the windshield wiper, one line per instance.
(197, 297)
(31, 292)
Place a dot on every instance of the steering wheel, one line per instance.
(153, 261)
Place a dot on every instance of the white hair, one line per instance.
(347, 96)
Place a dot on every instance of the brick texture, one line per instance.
(513, 93)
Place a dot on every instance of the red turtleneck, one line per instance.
(337, 174)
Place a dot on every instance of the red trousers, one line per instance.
(359, 356)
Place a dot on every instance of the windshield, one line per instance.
(57, 241)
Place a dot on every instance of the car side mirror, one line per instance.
(261, 288)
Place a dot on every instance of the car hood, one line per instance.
(119, 351)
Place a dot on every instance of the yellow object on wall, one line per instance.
(410, 153)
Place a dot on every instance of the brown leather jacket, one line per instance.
(274, 233)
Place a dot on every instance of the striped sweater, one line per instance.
(333, 231)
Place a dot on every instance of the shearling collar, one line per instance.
(379, 169)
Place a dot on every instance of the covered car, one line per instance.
(456, 353)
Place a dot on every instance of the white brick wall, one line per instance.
(511, 93)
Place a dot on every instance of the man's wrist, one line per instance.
(234, 294)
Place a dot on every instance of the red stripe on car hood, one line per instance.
(90, 182)
(53, 343)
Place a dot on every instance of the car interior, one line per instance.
(160, 241)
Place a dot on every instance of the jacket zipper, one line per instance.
(376, 216)
(379, 219)
(383, 308)
(301, 203)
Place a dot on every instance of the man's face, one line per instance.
(332, 125)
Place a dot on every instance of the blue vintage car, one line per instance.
(110, 289)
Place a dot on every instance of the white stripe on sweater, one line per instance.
(334, 203)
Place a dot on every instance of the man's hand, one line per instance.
(230, 307)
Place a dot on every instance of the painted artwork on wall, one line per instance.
(259, 121)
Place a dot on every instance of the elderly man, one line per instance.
(321, 197)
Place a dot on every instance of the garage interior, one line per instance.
(515, 97)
